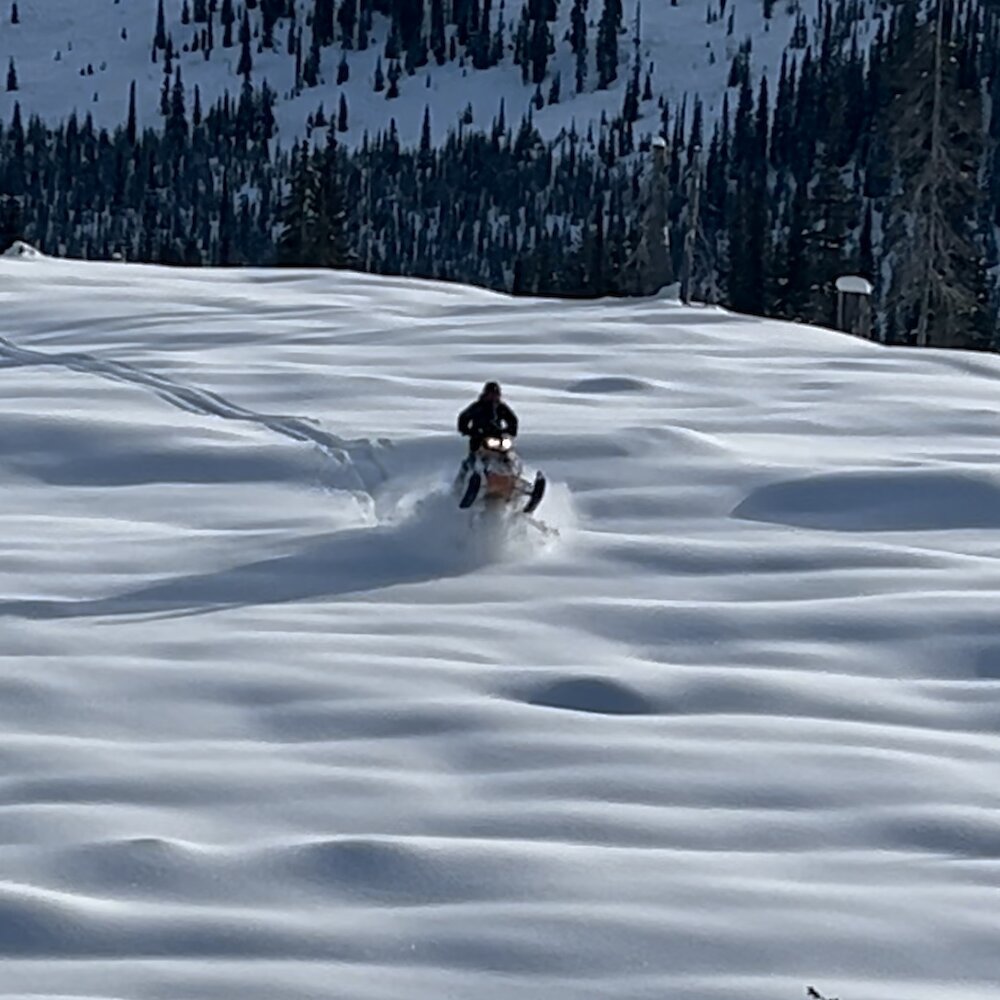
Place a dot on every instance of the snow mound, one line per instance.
(391, 871)
(19, 250)
(885, 500)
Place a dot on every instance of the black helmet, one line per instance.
(491, 389)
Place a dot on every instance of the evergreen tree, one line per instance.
(748, 213)
(394, 74)
(521, 47)
(312, 215)
(323, 22)
(654, 266)
(177, 127)
(497, 44)
(541, 42)
(555, 90)
(437, 39)
(270, 12)
(11, 77)
(347, 18)
(606, 51)
(630, 108)
(160, 36)
(130, 126)
(228, 18)
(936, 297)
(245, 65)
(578, 41)
(310, 65)
(331, 247)
(11, 222)
(426, 154)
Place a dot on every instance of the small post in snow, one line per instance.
(854, 305)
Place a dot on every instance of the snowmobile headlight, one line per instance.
(493, 443)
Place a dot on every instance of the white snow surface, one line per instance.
(82, 56)
(275, 723)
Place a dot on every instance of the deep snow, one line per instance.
(272, 728)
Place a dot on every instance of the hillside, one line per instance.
(83, 55)
(520, 149)
(276, 725)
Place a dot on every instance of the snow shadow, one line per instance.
(595, 695)
(883, 500)
(428, 539)
(608, 385)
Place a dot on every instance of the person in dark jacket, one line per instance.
(487, 415)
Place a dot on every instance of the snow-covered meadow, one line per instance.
(274, 727)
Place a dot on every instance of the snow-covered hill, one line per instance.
(275, 726)
(82, 55)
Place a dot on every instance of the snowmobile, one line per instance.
(493, 475)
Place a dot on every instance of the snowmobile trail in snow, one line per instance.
(353, 456)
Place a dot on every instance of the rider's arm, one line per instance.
(465, 420)
(511, 419)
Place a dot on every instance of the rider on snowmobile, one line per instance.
(486, 416)
(494, 474)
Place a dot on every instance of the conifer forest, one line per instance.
(875, 154)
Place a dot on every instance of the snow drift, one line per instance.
(273, 728)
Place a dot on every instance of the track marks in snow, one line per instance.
(358, 459)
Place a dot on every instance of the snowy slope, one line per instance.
(273, 726)
(57, 40)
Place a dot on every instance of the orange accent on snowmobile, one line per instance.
(499, 485)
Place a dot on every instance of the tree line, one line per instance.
(875, 155)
